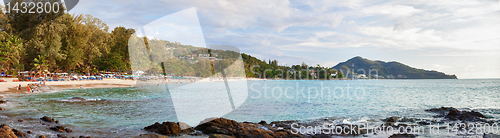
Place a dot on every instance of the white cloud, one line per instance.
(325, 5)
(276, 15)
(392, 10)
(296, 31)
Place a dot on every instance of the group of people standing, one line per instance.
(27, 87)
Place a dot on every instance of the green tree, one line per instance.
(74, 40)
(48, 41)
(97, 40)
(40, 64)
(10, 53)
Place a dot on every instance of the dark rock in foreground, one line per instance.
(47, 119)
(402, 136)
(6, 132)
(169, 128)
(219, 136)
(61, 129)
(151, 136)
(454, 114)
(68, 130)
(58, 128)
(235, 129)
(390, 119)
(61, 136)
(18, 133)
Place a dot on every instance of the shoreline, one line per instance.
(10, 88)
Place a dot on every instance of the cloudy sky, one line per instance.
(459, 37)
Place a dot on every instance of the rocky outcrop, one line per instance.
(219, 136)
(6, 132)
(61, 129)
(57, 128)
(47, 119)
(245, 129)
(170, 128)
(151, 136)
(18, 133)
(455, 114)
(185, 128)
(403, 136)
(390, 119)
(61, 136)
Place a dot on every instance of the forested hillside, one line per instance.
(389, 70)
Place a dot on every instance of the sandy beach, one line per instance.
(7, 88)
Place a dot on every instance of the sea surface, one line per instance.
(123, 112)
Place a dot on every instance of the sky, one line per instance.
(460, 37)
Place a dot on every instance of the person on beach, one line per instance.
(28, 86)
(19, 88)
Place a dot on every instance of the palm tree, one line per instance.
(40, 64)
(10, 51)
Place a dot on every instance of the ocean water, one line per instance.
(125, 111)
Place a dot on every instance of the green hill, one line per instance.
(392, 69)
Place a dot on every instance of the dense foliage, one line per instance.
(67, 43)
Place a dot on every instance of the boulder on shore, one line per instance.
(455, 114)
(6, 132)
(390, 119)
(245, 129)
(219, 136)
(47, 119)
(57, 128)
(151, 136)
(18, 133)
(165, 128)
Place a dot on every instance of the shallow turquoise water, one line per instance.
(130, 109)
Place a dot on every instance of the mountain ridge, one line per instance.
(391, 70)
